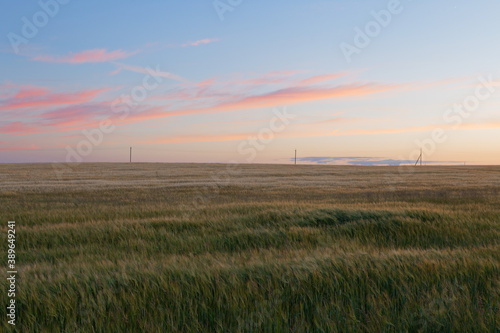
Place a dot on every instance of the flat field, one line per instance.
(252, 248)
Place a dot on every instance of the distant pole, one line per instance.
(130, 154)
(419, 158)
(295, 156)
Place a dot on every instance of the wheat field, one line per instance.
(253, 248)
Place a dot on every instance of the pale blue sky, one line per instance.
(229, 76)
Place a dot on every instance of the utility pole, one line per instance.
(420, 158)
(130, 154)
(295, 156)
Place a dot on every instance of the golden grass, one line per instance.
(203, 247)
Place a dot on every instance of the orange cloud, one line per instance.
(310, 132)
(200, 138)
(336, 121)
(286, 96)
(465, 126)
(427, 85)
(14, 148)
(87, 56)
(321, 78)
(231, 137)
(299, 95)
(274, 77)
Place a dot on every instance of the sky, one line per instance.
(338, 81)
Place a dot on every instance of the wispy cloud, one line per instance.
(201, 42)
(31, 91)
(69, 117)
(295, 95)
(286, 96)
(18, 147)
(14, 91)
(223, 137)
(17, 127)
(87, 56)
(61, 119)
(70, 111)
(39, 98)
(200, 138)
(321, 78)
(426, 128)
(214, 96)
(151, 71)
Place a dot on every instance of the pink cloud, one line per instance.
(76, 115)
(227, 90)
(11, 90)
(295, 95)
(42, 98)
(286, 96)
(70, 118)
(31, 91)
(15, 148)
(17, 127)
(321, 78)
(149, 71)
(74, 111)
(87, 56)
(201, 42)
